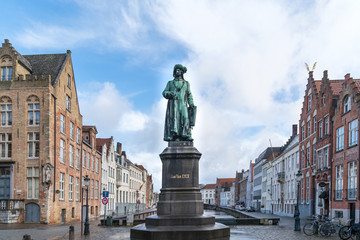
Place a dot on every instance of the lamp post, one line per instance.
(87, 227)
(297, 211)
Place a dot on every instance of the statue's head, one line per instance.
(180, 67)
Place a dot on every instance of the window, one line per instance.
(339, 214)
(326, 157)
(77, 158)
(320, 128)
(33, 144)
(314, 155)
(302, 132)
(78, 135)
(338, 182)
(307, 160)
(6, 146)
(6, 114)
(32, 183)
(97, 165)
(71, 155)
(68, 80)
(327, 130)
(340, 138)
(61, 187)
(83, 159)
(33, 114)
(77, 189)
(352, 176)
(88, 161)
(309, 101)
(62, 151)
(320, 165)
(71, 188)
(353, 129)
(6, 73)
(308, 128)
(68, 102)
(92, 163)
(96, 189)
(92, 188)
(307, 189)
(71, 130)
(62, 123)
(315, 121)
(347, 104)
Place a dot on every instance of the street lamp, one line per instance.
(87, 227)
(297, 211)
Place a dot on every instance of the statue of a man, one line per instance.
(180, 111)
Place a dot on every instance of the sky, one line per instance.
(245, 60)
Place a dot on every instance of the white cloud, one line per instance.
(242, 55)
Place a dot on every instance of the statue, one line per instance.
(180, 111)
(48, 174)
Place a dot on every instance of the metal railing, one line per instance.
(338, 194)
(351, 194)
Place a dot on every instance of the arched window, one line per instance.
(347, 104)
(33, 110)
(6, 68)
(309, 100)
(6, 111)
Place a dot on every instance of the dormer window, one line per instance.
(347, 104)
(6, 68)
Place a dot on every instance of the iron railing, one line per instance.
(351, 194)
(338, 194)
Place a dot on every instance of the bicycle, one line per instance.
(352, 231)
(329, 227)
(313, 227)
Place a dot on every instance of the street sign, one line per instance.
(104, 201)
(106, 194)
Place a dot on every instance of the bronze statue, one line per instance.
(180, 111)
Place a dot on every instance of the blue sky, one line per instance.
(245, 60)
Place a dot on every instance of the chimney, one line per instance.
(294, 130)
(118, 148)
(347, 76)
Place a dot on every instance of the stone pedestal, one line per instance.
(180, 207)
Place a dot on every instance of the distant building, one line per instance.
(208, 194)
(222, 185)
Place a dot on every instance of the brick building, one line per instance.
(222, 184)
(345, 197)
(91, 167)
(40, 133)
(325, 110)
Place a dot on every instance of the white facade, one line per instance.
(122, 184)
(108, 168)
(249, 187)
(266, 188)
(284, 185)
(208, 194)
(225, 198)
(137, 183)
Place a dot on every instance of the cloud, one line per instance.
(245, 63)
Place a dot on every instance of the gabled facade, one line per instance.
(222, 185)
(307, 147)
(345, 198)
(91, 167)
(41, 138)
(108, 163)
(328, 98)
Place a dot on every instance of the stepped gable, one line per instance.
(46, 64)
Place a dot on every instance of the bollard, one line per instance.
(26, 237)
(71, 233)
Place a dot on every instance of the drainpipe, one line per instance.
(54, 147)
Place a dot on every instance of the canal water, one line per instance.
(236, 234)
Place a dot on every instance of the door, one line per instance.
(32, 212)
(63, 216)
(352, 212)
(4, 182)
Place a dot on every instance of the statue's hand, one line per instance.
(172, 94)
